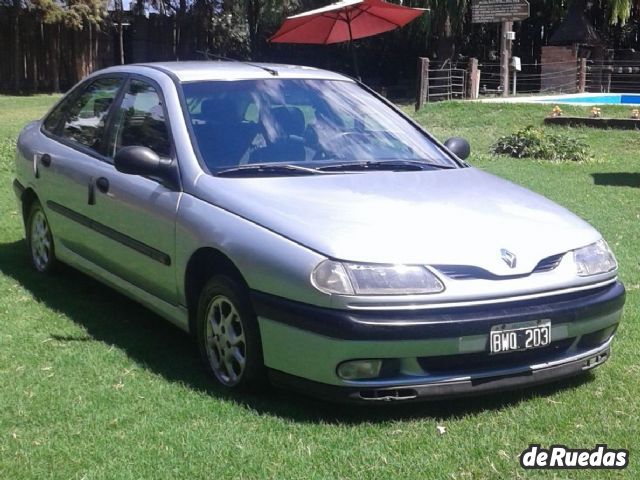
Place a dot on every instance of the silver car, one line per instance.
(307, 232)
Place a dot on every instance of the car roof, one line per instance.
(230, 70)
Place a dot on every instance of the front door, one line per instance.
(133, 215)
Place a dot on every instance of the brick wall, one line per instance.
(559, 72)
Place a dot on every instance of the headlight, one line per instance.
(331, 277)
(364, 279)
(594, 259)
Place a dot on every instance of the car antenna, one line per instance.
(213, 56)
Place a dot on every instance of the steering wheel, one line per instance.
(338, 139)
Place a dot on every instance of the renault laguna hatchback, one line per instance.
(307, 232)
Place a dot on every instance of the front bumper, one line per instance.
(435, 353)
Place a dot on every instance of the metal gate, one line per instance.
(446, 84)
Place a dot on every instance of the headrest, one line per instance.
(220, 110)
(288, 121)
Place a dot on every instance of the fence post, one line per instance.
(423, 82)
(474, 79)
(582, 75)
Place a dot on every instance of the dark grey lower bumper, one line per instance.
(449, 389)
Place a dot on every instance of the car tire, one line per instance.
(228, 335)
(40, 244)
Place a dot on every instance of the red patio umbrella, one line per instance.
(344, 21)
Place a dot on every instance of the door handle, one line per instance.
(102, 184)
(91, 200)
(43, 159)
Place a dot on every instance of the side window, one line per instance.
(52, 122)
(140, 121)
(83, 120)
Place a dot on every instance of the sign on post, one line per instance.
(497, 11)
(505, 12)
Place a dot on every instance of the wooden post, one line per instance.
(423, 82)
(505, 54)
(474, 79)
(582, 75)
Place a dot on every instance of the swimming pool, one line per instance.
(575, 99)
(598, 99)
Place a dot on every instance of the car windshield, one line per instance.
(324, 124)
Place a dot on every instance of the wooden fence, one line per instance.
(48, 57)
(54, 57)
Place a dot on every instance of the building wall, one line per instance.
(559, 69)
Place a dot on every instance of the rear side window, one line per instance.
(140, 121)
(52, 122)
(83, 119)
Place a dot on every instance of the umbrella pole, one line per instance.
(353, 52)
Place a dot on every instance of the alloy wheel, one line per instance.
(40, 240)
(225, 341)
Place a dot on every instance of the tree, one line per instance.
(619, 11)
(73, 14)
(265, 15)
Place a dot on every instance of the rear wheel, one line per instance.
(228, 335)
(40, 239)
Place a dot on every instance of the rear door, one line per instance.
(73, 135)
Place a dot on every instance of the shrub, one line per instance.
(534, 142)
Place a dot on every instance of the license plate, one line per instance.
(504, 339)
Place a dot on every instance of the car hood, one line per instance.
(454, 217)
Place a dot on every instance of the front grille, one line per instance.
(466, 272)
(548, 264)
(476, 362)
(469, 272)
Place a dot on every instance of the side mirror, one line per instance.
(137, 161)
(143, 161)
(459, 146)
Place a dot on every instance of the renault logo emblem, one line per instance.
(508, 257)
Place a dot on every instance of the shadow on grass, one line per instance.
(156, 345)
(617, 179)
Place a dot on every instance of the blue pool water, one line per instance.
(608, 98)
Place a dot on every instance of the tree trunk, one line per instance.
(17, 51)
(254, 10)
(120, 10)
(91, 66)
(55, 56)
(180, 29)
(35, 57)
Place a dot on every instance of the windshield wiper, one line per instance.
(382, 165)
(268, 170)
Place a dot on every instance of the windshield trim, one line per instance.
(455, 162)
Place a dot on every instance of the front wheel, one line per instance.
(40, 239)
(228, 335)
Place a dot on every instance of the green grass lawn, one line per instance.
(94, 386)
